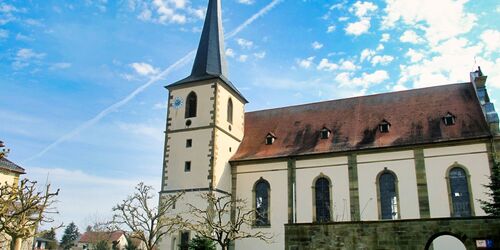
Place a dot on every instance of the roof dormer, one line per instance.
(384, 126)
(449, 119)
(325, 133)
(270, 138)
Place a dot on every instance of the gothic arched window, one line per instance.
(262, 190)
(459, 191)
(388, 196)
(230, 110)
(322, 199)
(191, 103)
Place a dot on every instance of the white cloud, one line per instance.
(230, 53)
(246, 1)
(100, 193)
(324, 64)
(414, 55)
(305, 63)
(440, 20)
(317, 45)
(243, 58)
(260, 55)
(4, 34)
(60, 65)
(244, 44)
(409, 36)
(362, 9)
(24, 57)
(142, 130)
(452, 63)
(330, 29)
(385, 38)
(348, 65)
(343, 18)
(144, 69)
(366, 54)
(491, 39)
(380, 47)
(366, 79)
(383, 60)
(358, 28)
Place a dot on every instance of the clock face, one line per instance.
(177, 102)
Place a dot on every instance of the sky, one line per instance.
(82, 97)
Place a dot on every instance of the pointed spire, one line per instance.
(210, 61)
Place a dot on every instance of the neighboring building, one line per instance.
(89, 239)
(10, 173)
(42, 243)
(380, 171)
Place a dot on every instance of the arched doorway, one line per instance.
(445, 242)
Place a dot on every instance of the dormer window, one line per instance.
(384, 126)
(325, 133)
(270, 138)
(449, 119)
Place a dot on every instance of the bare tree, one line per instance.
(215, 222)
(23, 208)
(147, 222)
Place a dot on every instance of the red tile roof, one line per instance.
(94, 237)
(415, 117)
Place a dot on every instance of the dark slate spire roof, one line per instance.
(210, 61)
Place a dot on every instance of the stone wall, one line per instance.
(397, 234)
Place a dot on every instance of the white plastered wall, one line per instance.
(402, 164)
(276, 175)
(204, 94)
(8, 177)
(197, 154)
(335, 168)
(237, 126)
(473, 157)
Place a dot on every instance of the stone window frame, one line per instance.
(469, 187)
(180, 238)
(191, 105)
(254, 203)
(313, 187)
(230, 110)
(379, 203)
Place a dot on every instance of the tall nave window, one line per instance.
(322, 197)
(262, 203)
(191, 103)
(388, 196)
(459, 191)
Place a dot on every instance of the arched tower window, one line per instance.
(388, 196)
(322, 199)
(230, 111)
(262, 190)
(191, 103)
(459, 192)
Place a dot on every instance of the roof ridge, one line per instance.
(355, 97)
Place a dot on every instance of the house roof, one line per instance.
(210, 61)
(94, 237)
(5, 164)
(415, 117)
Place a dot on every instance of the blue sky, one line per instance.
(69, 70)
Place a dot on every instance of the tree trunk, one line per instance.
(16, 244)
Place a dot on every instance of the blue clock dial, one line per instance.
(177, 102)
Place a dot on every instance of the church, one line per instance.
(399, 170)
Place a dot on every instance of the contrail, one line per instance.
(250, 20)
(188, 57)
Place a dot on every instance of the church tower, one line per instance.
(204, 124)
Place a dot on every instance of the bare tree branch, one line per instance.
(147, 223)
(23, 208)
(214, 222)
